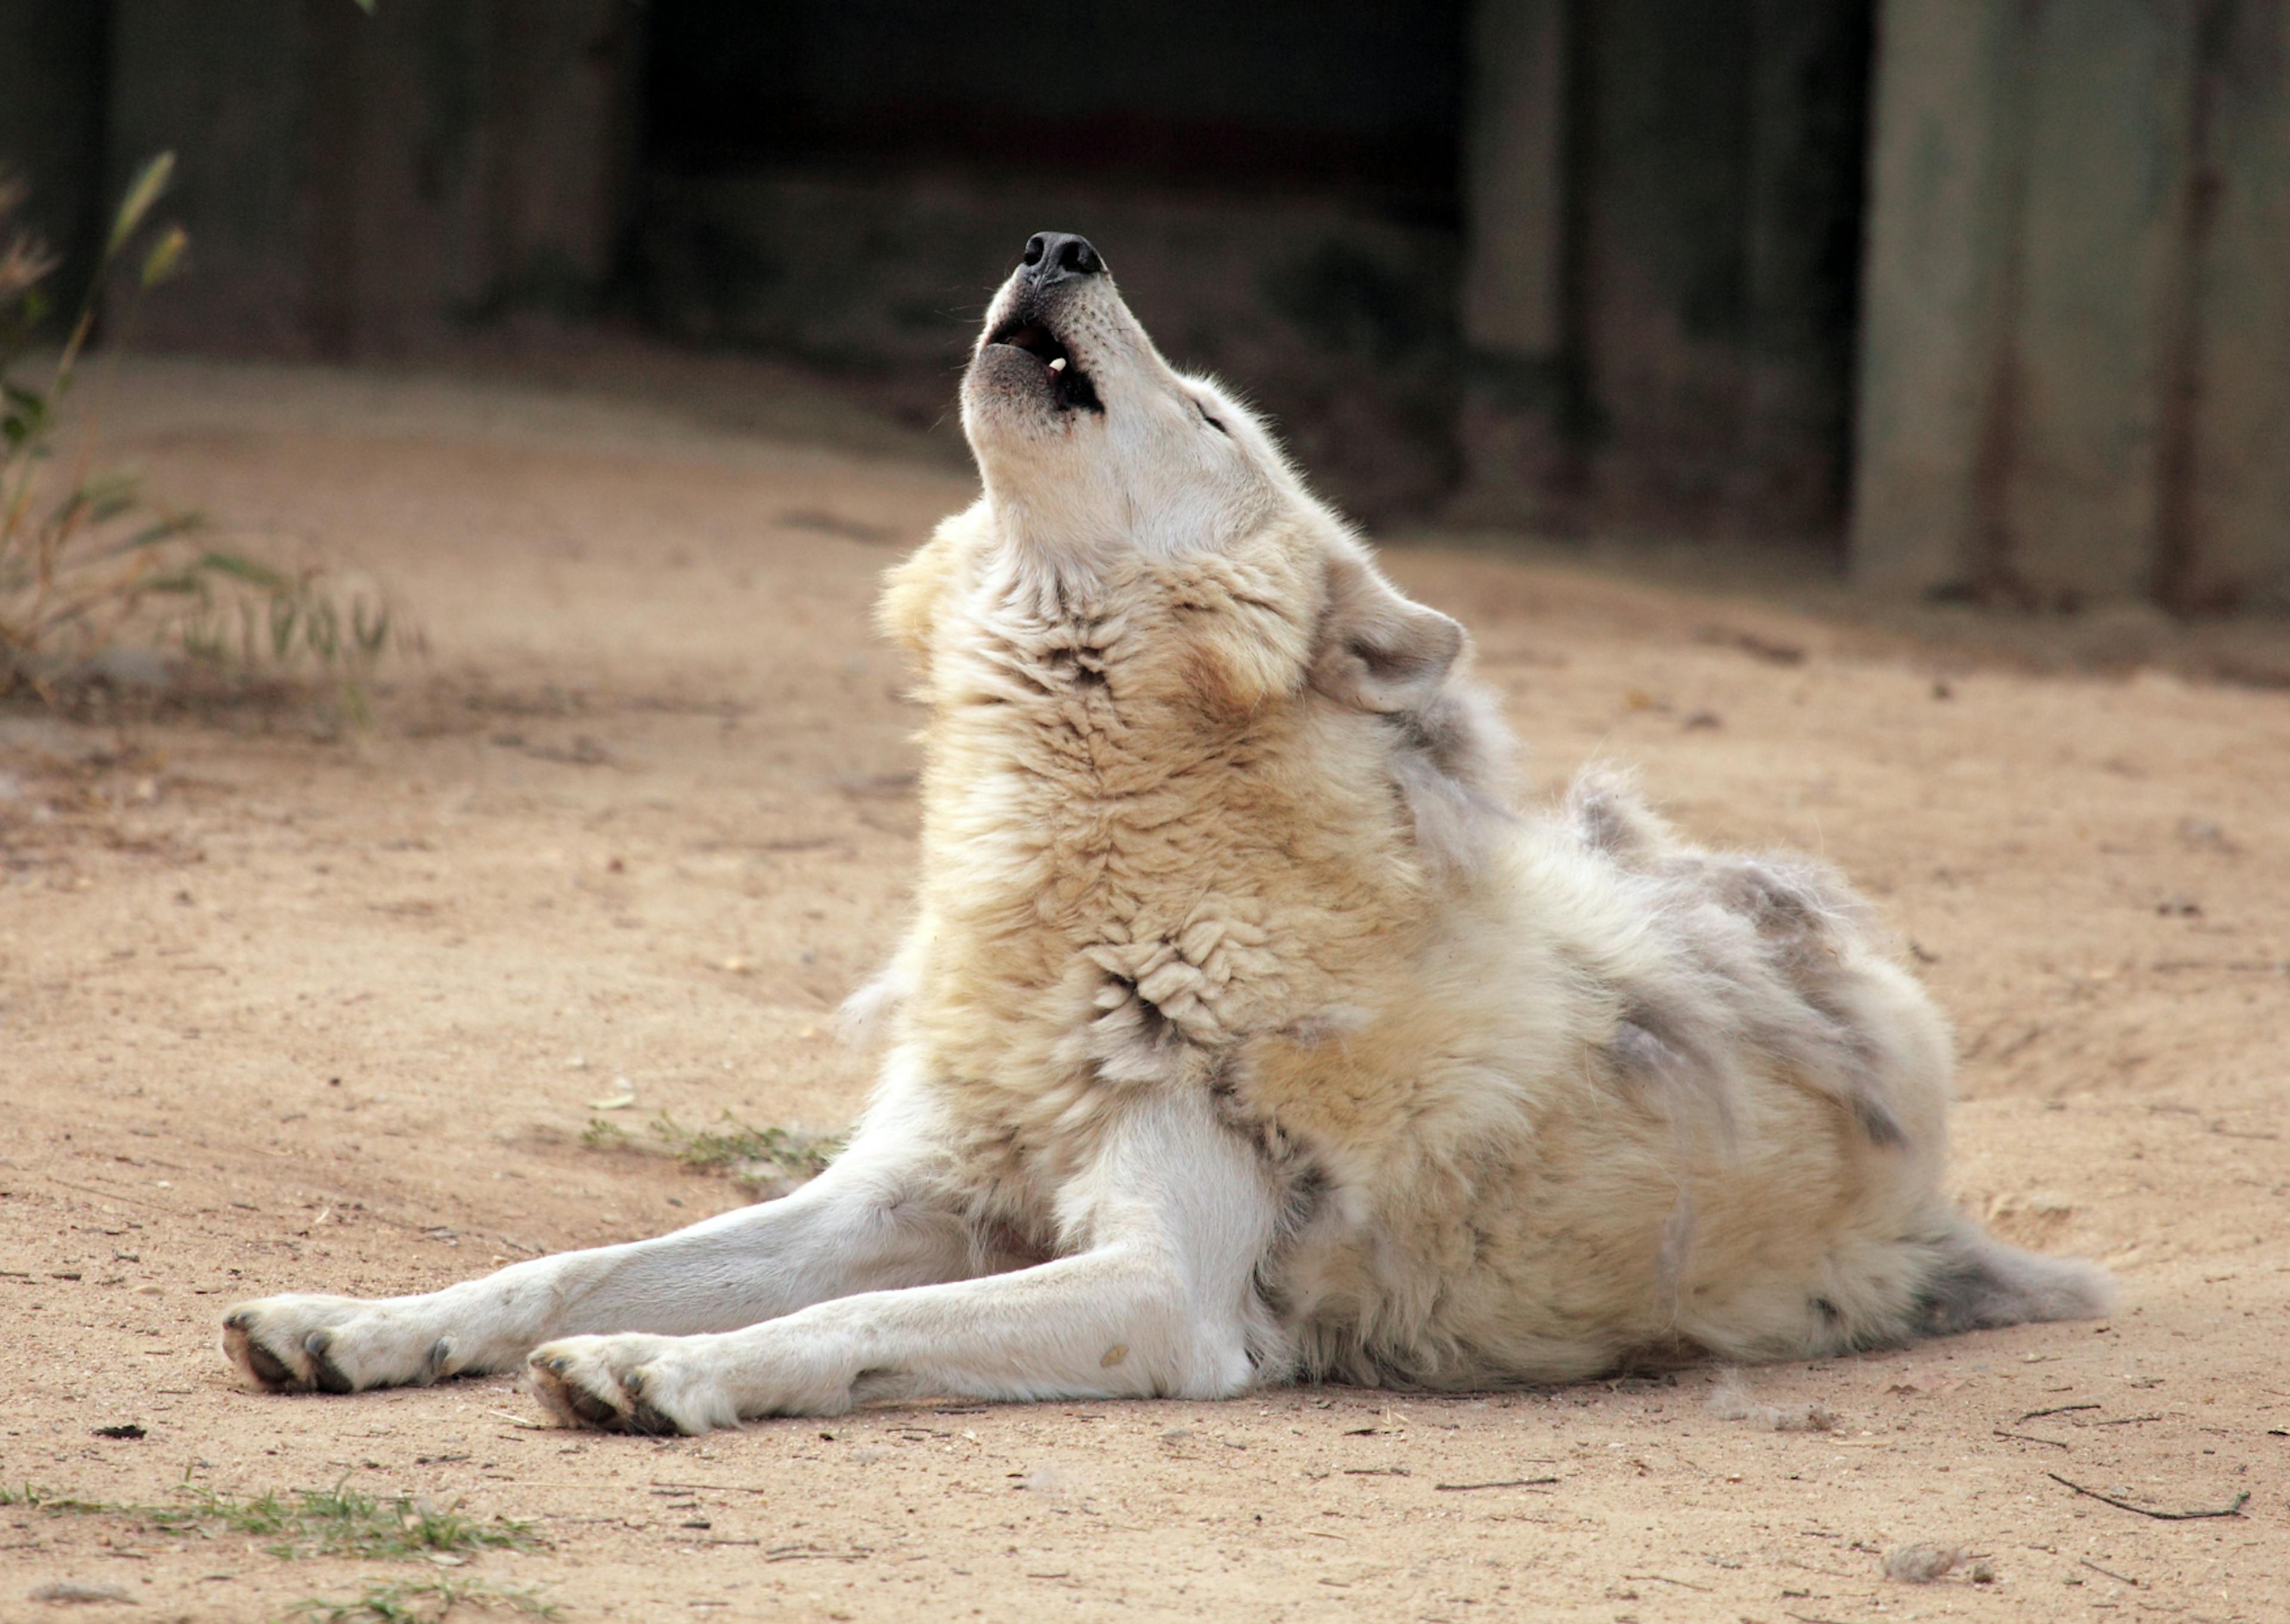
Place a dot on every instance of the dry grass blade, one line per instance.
(142, 192)
(25, 261)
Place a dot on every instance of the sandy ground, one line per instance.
(280, 1010)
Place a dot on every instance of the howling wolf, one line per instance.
(1246, 1033)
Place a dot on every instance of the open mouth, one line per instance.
(1070, 387)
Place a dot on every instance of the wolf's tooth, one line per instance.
(1058, 365)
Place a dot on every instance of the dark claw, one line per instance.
(648, 1422)
(323, 1370)
(268, 1368)
(590, 1408)
(434, 1367)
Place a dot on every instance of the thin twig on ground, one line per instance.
(2235, 1510)
(1507, 1482)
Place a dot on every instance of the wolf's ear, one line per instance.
(1376, 649)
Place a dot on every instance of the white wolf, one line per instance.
(1245, 1035)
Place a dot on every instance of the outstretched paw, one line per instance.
(303, 1344)
(624, 1384)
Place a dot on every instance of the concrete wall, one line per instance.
(1663, 210)
(2235, 545)
(1521, 414)
(223, 85)
(351, 183)
(2076, 364)
(51, 61)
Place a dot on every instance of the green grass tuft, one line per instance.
(336, 1522)
(602, 1134)
(424, 1601)
(736, 1145)
(774, 1158)
(40, 1500)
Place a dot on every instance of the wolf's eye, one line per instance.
(1211, 421)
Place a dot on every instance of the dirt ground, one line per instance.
(289, 1007)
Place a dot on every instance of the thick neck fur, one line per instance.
(1084, 518)
(1151, 830)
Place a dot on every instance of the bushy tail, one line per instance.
(1981, 1283)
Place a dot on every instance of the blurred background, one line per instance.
(1982, 299)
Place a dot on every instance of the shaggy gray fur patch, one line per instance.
(1762, 969)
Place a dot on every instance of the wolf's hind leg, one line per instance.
(866, 1223)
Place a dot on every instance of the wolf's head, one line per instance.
(1083, 432)
(1097, 454)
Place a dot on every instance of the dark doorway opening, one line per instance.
(1318, 95)
(1275, 185)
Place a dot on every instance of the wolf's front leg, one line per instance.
(1170, 1224)
(866, 1223)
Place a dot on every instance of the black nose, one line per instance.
(1059, 256)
